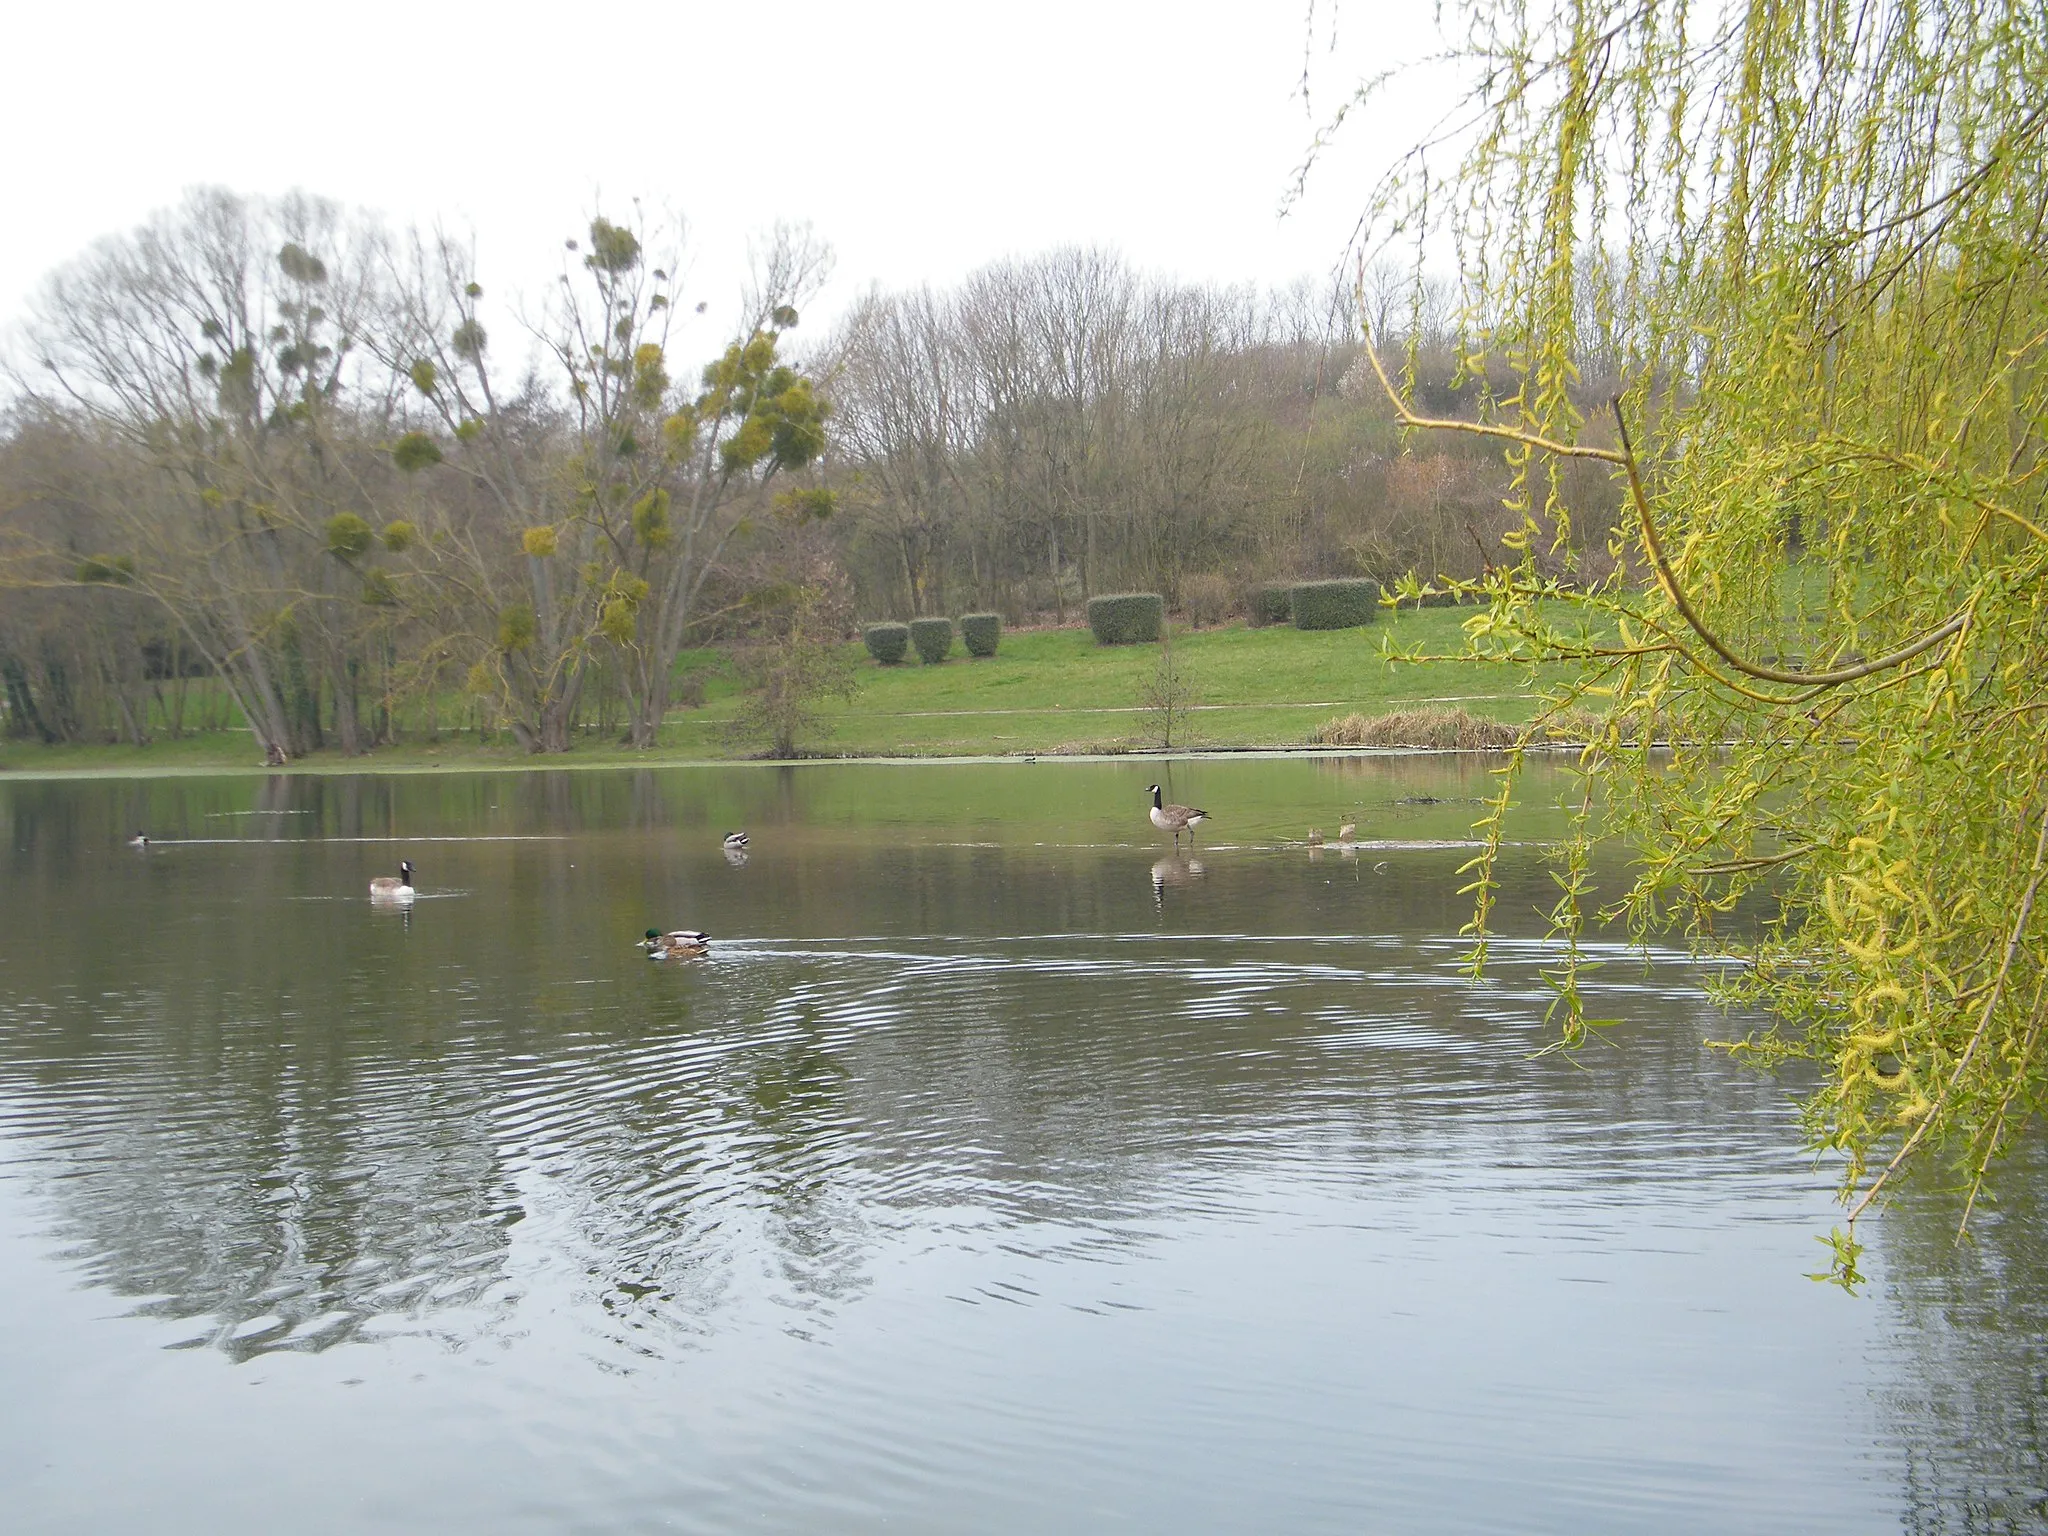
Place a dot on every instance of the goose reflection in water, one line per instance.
(1174, 870)
(402, 910)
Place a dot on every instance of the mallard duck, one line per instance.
(681, 944)
(735, 842)
(1175, 818)
(384, 888)
(138, 841)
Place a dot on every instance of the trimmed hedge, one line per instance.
(981, 631)
(1268, 604)
(1334, 604)
(933, 639)
(1126, 618)
(887, 643)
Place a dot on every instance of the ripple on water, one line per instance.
(903, 1221)
(810, 1089)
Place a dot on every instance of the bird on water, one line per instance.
(385, 888)
(139, 840)
(735, 841)
(679, 944)
(1175, 818)
(1348, 832)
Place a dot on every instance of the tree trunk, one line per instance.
(1059, 596)
(21, 702)
(347, 725)
(648, 713)
(554, 727)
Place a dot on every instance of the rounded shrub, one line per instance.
(1125, 618)
(1334, 604)
(887, 643)
(933, 639)
(981, 631)
(1267, 604)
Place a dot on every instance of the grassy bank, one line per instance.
(1046, 691)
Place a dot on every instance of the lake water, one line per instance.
(996, 1172)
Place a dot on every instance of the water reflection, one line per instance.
(1965, 1411)
(1016, 1165)
(1176, 869)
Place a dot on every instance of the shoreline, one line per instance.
(568, 762)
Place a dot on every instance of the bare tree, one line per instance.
(214, 361)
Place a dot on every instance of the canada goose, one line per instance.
(1176, 818)
(1315, 837)
(735, 841)
(1347, 832)
(681, 944)
(138, 841)
(384, 888)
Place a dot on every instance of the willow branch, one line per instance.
(1676, 593)
(1935, 476)
(1666, 576)
(1744, 866)
(2012, 948)
(1408, 418)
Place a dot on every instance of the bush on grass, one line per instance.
(1126, 618)
(981, 631)
(887, 643)
(1334, 604)
(933, 639)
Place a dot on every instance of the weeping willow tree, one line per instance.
(1781, 271)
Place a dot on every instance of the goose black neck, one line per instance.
(1155, 795)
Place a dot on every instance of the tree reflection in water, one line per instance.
(942, 1026)
(1966, 1409)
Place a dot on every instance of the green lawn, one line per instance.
(1054, 690)
(1045, 691)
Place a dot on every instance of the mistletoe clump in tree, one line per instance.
(628, 487)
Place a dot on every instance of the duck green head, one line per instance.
(654, 933)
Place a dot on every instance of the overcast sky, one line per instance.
(920, 140)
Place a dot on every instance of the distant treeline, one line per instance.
(270, 444)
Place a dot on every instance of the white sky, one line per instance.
(921, 140)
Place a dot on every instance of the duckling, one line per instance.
(681, 944)
(138, 841)
(384, 888)
(1315, 837)
(1176, 818)
(1348, 832)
